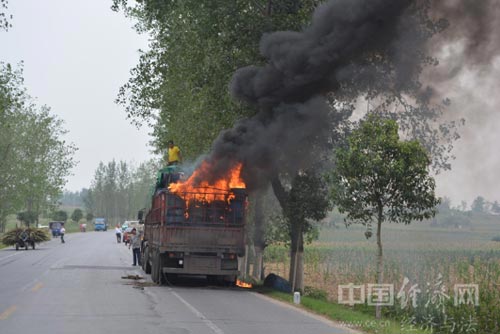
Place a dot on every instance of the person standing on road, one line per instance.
(118, 232)
(62, 231)
(135, 243)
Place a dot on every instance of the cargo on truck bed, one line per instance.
(195, 232)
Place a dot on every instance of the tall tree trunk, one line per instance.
(243, 264)
(3, 221)
(296, 275)
(380, 262)
(258, 236)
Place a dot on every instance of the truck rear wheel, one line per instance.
(155, 270)
(146, 266)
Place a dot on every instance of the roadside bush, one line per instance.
(315, 293)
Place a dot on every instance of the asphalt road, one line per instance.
(78, 287)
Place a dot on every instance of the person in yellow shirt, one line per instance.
(174, 154)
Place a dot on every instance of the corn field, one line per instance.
(436, 270)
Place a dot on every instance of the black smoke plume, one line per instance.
(294, 121)
(351, 47)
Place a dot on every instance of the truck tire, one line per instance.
(146, 266)
(155, 269)
(229, 281)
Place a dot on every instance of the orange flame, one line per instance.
(242, 284)
(192, 185)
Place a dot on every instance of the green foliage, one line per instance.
(60, 215)
(89, 217)
(307, 200)
(479, 205)
(4, 18)
(495, 207)
(77, 215)
(27, 217)
(315, 293)
(376, 171)
(348, 317)
(73, 199)
(196, 46)
(34, 157)
(118, 190)
(278, 231)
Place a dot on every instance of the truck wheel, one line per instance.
(229, 281)
(143, 259)
(17, 246)
(26, 245)
(157, 272)
(162, 280)
(155, 269)
(171, 278)
(146, 264)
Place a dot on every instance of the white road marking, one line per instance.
(200, 315)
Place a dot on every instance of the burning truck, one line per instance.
(195, 227)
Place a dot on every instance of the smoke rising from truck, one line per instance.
(336, 53)
(294, 120)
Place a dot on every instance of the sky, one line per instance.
(77, 54)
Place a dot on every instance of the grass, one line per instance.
(425, 255)
(345, 316)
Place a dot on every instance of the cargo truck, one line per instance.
(195, 232)
(100, 224)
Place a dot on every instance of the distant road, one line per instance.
(77, 287)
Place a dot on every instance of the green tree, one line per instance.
(89, 217)
(77, 215)
(34, 158)
(495, 207)
(479, 205)
(4, 18)
(180, 84)
(27, 217)
(60, 216)
(196, 47)
(119, 190)
(378, 178)
(306, 200)
(11, 96)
